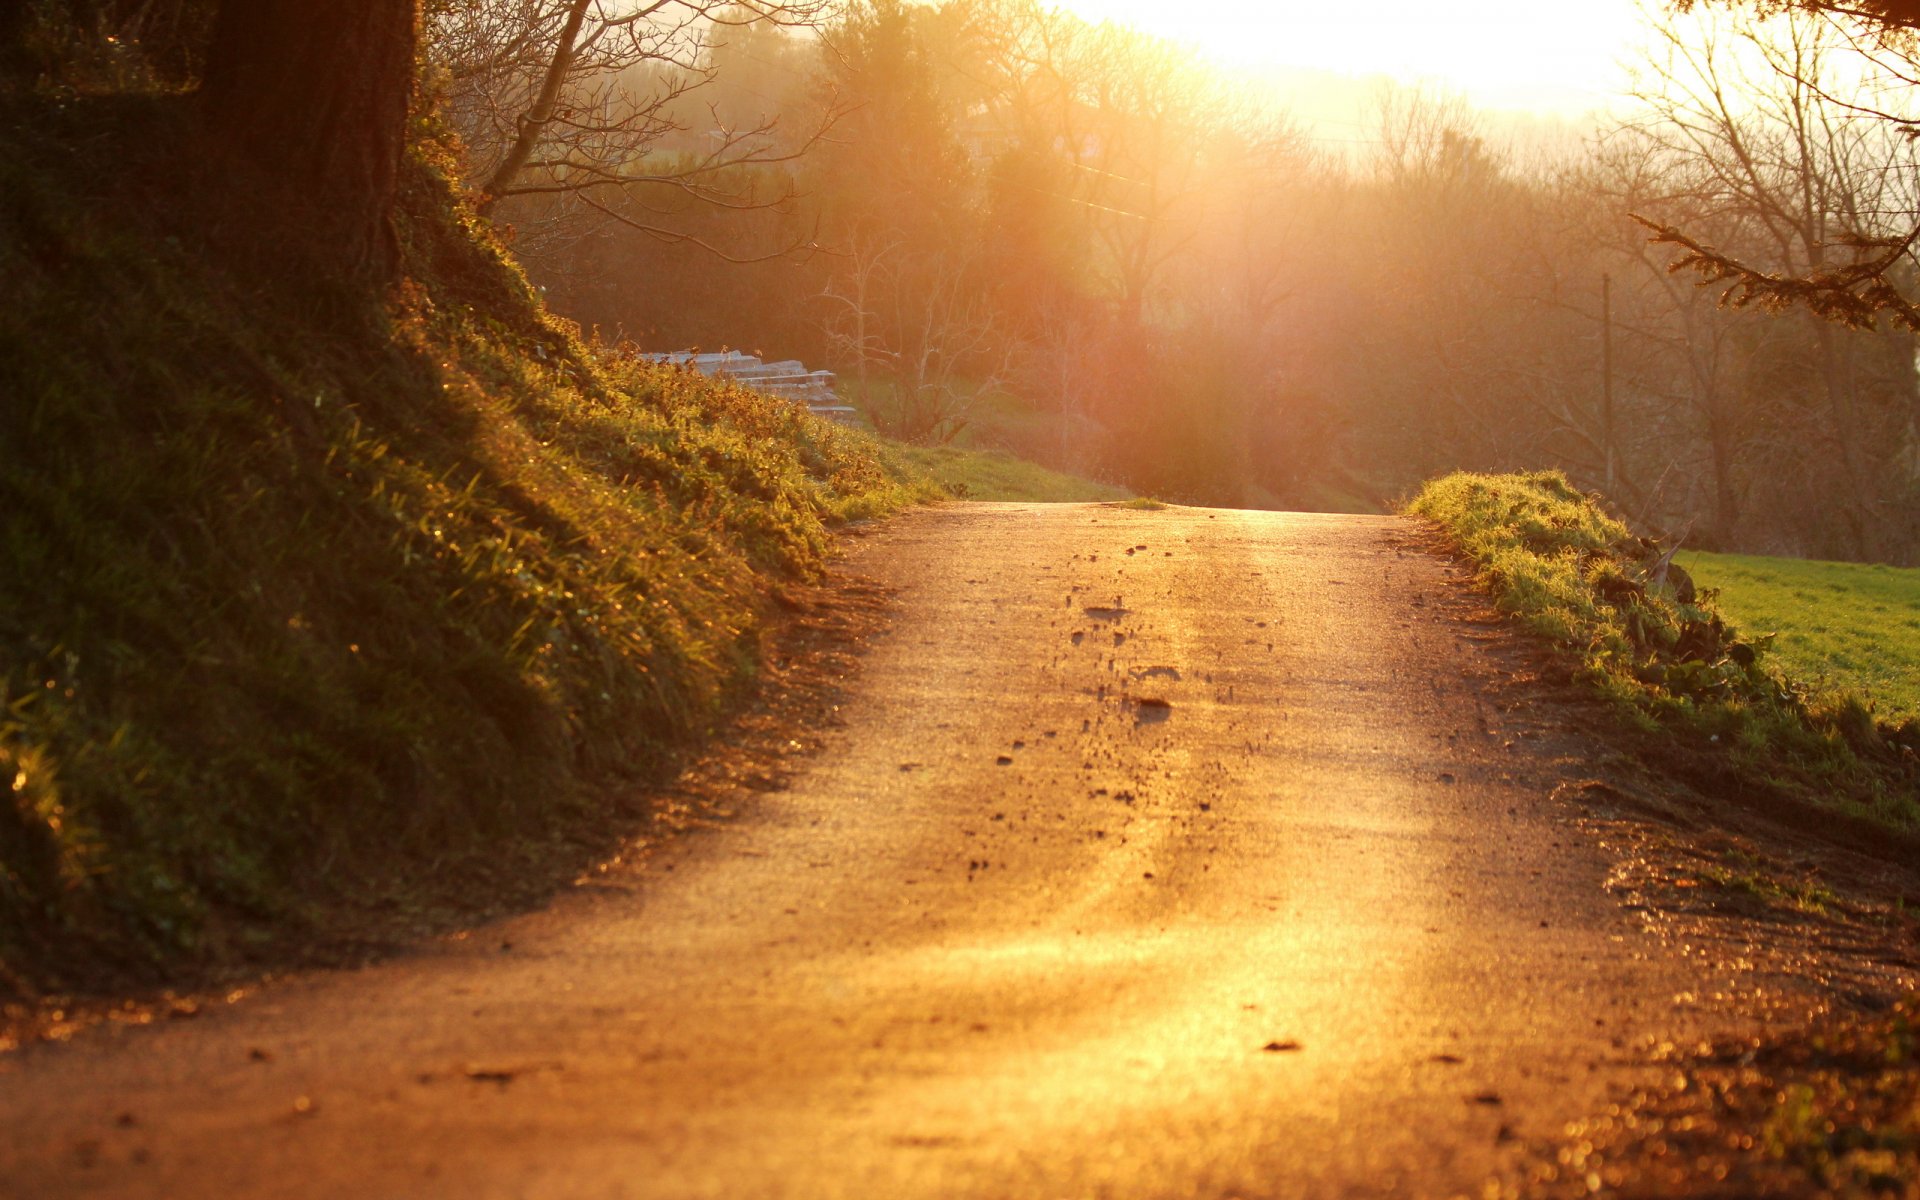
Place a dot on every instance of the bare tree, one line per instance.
(581, 108)
(1799, 181)
(1690, 423)
(921, 335)
(1869, 272)
(1134, 123)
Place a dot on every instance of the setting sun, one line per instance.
(1503, 53)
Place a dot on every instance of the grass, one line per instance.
(997, 475)
(1327, 497)
(1747, 875)
(1669, 660)
(317, 603)
(1805, 897)
(1845, 627)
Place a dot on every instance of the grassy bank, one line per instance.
(997, 475)
(317, 602)
(1844, 627)
(1666, 656)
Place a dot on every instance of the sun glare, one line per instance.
(1499, 53)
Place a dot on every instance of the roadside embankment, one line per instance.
(1639, 630)
(327, 612)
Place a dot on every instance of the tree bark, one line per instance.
(1844, 427)
(318, 93)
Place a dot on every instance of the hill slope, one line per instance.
(316, 601)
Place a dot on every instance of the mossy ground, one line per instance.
(1670, 661)
(316, 599)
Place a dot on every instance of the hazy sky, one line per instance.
(1556, 56)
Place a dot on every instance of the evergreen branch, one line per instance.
(1855, 294)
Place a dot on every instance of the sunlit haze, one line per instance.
(1506, 54)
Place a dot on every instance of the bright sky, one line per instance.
(1555, 56)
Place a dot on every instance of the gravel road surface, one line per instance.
(1161, 854)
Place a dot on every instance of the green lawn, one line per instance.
(1844, 625)
(997, 475)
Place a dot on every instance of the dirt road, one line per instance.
(1163, 853)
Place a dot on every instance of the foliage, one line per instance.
(1842, 626)
(1662, 654)
(1855, 293)
(315, 601)
(104, 46)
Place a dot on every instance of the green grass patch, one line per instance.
(997, 475)
(1662, 652)
(1806, 897)
(318, 601)
(1769, 883)
(1327, 497)
(1845, 627)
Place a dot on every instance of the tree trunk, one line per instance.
(318, 95)
(1724, 452)
(15, 18)
(1844, 427)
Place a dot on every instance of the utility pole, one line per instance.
(1606, 381)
